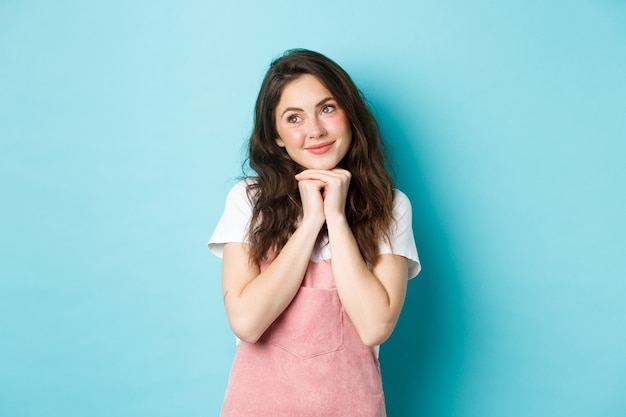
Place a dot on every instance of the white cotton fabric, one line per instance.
(233, 227)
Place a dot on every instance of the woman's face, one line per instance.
(311, 126)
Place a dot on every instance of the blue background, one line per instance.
(122, 127)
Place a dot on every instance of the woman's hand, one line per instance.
(331, 189)
(312, 201)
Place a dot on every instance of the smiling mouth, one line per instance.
(320, 149)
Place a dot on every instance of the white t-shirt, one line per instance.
(233, 227)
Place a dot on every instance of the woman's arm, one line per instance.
(254, 299)
(373, 298)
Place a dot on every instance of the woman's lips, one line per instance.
(320, 149)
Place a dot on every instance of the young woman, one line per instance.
(317, 249)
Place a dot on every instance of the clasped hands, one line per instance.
(323, 193)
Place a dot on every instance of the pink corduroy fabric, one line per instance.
(310, 362)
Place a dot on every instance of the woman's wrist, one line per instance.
(336, 221)
(311, 224)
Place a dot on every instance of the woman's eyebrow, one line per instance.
(324, 101)
(321, 103)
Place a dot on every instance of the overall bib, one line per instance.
(309, 363)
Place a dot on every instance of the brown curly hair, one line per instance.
(274, 191)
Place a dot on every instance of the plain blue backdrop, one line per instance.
(122, 127)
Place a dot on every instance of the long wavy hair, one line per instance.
(277, 206)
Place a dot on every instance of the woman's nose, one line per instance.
(316, 129)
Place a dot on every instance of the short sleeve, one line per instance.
(233, 225)
(402, 239)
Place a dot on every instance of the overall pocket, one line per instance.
(310, 326)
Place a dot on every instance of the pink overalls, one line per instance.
(310, 362)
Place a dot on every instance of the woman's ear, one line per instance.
(280, 142)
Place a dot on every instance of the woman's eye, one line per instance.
(293, 118)
(328, 109)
